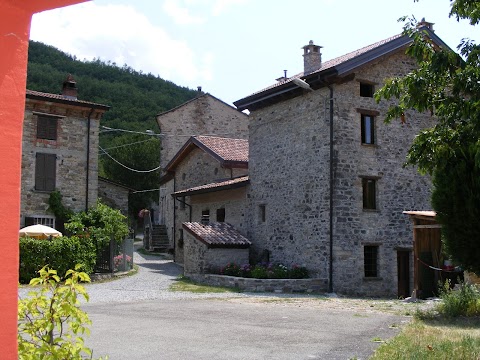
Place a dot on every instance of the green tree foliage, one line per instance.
(101, 223)
(51, 324)
(135, 99)
(138, 152)
(447, 85)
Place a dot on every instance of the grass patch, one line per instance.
(439, 338)
(183, 283)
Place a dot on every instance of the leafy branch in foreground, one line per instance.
(50, 321)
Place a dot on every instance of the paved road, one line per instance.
(138, 318)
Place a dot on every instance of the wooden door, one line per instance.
(403, 269)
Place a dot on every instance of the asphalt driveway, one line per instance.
(137, 317)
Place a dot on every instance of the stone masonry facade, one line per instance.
(288, 201)
(69, 150)
(199, 168)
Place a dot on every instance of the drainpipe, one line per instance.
(330, 280)
(174, 224)
(88, 158)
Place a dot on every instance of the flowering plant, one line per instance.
(265, 271)
(119, 264)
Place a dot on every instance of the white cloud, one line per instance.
(181, 13)
(221, 6)
(120, 34)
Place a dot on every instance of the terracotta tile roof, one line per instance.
(231, 153)
(226, 148)
(216, 186)
(217, 235)
(334, 62)
(63, 99)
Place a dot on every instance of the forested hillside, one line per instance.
(135, 99)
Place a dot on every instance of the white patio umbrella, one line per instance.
(39, 231)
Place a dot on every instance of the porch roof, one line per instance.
(217, 235)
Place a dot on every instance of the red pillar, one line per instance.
(15, 18)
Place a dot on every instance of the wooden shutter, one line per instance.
(46, 128)
(45, 172)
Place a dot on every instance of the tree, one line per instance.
(447, 85)
(129, 159)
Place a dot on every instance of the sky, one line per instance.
(231, 48)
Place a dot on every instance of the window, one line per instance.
(181, 200)
(370, 260)
(221, 215)
(45, 172)
(366, 90)
(262, 213)
(40, 219)
(46, 127)
(205, 216)
(369, 193)
(368, 129)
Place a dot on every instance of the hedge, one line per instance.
(60, 253)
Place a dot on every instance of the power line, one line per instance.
(124, 145)
(126, 167)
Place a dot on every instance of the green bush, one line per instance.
(265, 271)
(465, 301)
(61, 253)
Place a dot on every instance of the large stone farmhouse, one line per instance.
(60, 152)
(325, 189)
(327, 186)
(204, 141)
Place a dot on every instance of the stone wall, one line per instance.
(233, 201)
(113, 195)
(289, 179)
(263, 285)
(200, 259)
(205, 115)
(198, 168)
(70, 149)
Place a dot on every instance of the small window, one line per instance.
(45, 172)
(262, 213)
(370, 260)
(181, 200)
(46, 127)
(368, 129)
(369, 193)
(180, 234)
(366, 90)
(221, 215)
(205, 216)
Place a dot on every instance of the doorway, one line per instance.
(403, 268)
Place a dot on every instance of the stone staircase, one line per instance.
(160, 240)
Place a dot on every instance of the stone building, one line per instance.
(204, 115)
(327, 186)
(114, 194)
(60, 152)
(207, 180)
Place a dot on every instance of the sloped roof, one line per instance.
(216, 186)
(37, 95)
(201, 95)
(217, 235)
(337, 67)
(231, 153)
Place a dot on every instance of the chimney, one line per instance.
(283, 78)
(423, 23)
(312, 58)
(69, 89)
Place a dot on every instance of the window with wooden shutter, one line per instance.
(45, 172)
(46, 127)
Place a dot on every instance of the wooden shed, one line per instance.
(427, 253)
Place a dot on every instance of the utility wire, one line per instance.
(124, 145)
(126, 167)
